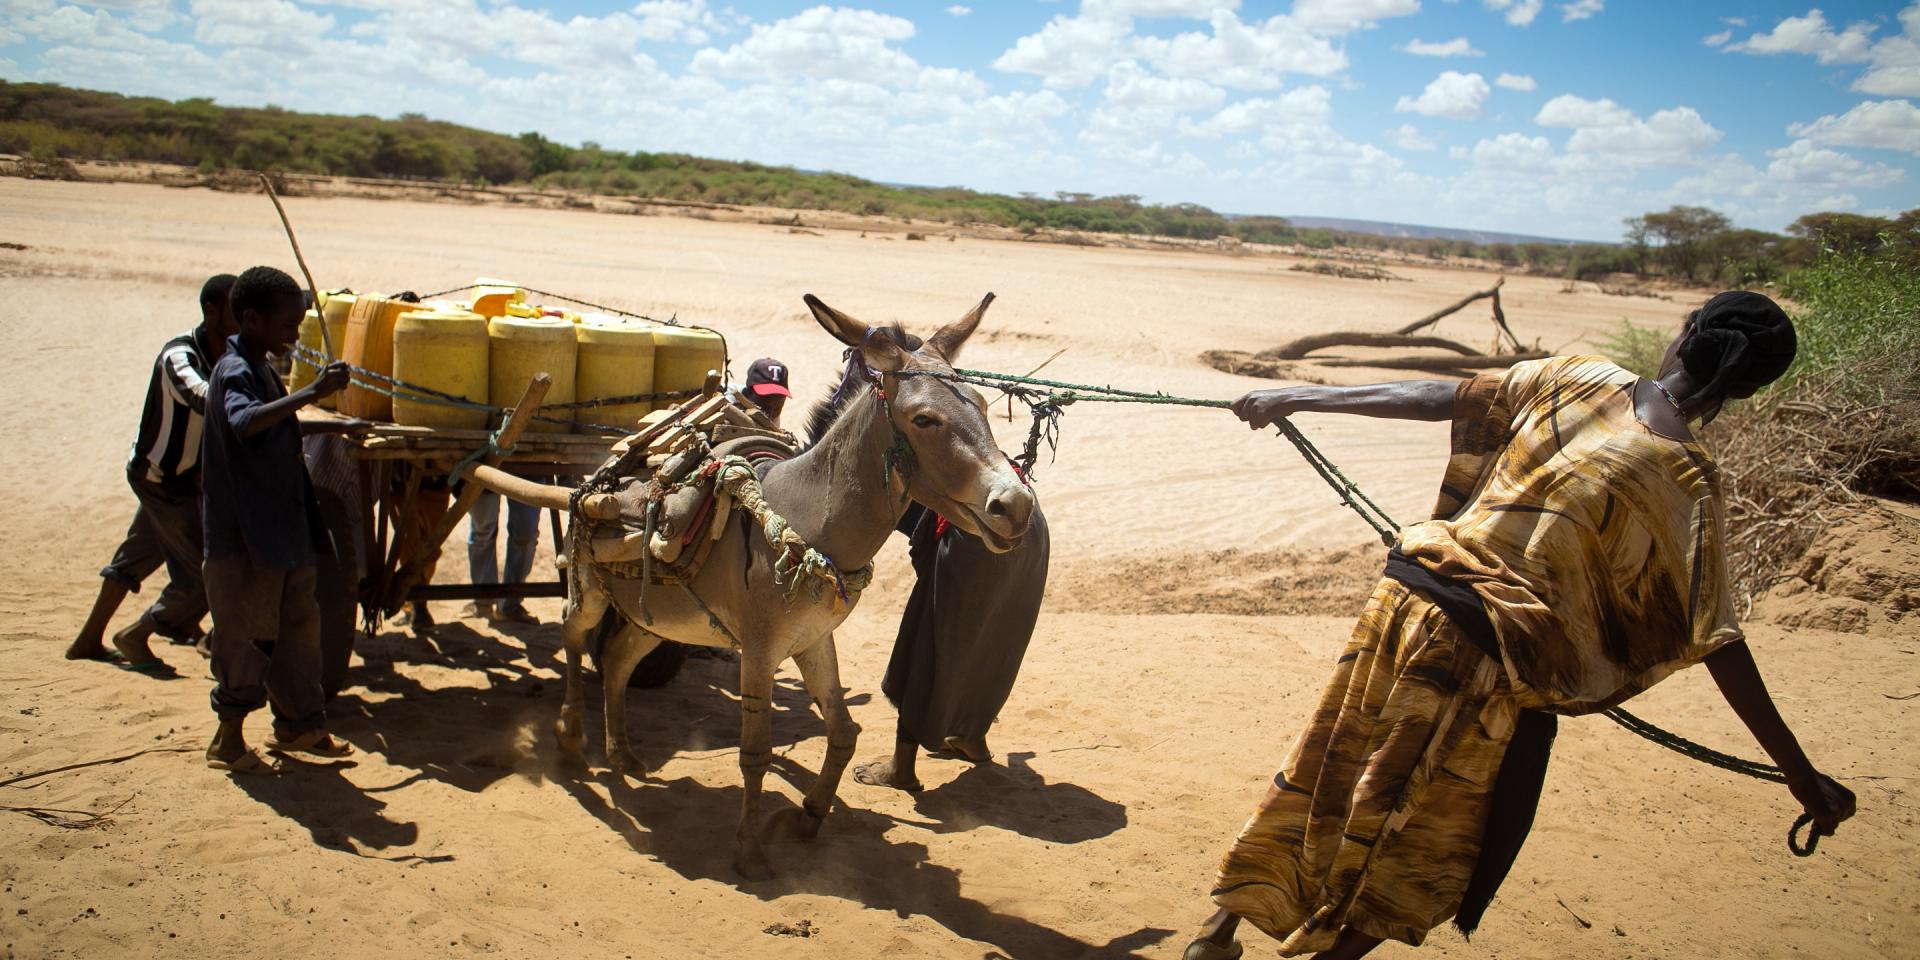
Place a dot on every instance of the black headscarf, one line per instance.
(1739, 342)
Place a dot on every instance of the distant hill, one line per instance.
(1410, 231)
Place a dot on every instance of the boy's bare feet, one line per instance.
(131, 642)
(90, 643)
(229, 751)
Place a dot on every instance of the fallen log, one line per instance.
(1439, 364)
(1298, 349)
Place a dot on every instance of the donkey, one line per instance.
(886, 435)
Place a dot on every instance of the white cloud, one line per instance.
(1606, 133)
(1580, 10)
(1803, 163)
(1457, 47)
(1453, 95)
(1812, 35)
(1129, 85)
(1345, 16)
(1887, 124)
(1245, 56)
(821, 42)
(1515, 81)
(1568, 110)
(1070, 51)
(1513, 153)
(1717, 39)
(1896, 61)
(958, 11)
(1158, 9)
(1408, 137)
(1520, 13)
(688, 21)
(1893, 63)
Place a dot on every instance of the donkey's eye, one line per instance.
(925, 422)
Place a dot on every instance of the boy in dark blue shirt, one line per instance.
(263, 532)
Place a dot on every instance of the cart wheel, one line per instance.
(656, 669)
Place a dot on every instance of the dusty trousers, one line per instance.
(266, 643)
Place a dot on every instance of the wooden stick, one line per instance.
(1298, 349)
(415, 567)
(319, 308)
(1434, 317)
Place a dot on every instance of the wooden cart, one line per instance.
(370, 480)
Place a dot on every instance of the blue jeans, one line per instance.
(523, 533)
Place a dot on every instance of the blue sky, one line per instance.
(1552, 117)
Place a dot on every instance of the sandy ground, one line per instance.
(1134, 747)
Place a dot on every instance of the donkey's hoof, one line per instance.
(753, 867)
(625, 764)
(793, 822)
(572, 743)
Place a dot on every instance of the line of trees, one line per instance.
(48, 121)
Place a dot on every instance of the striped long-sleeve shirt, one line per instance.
(168, 445)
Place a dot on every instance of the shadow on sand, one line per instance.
(471, 736)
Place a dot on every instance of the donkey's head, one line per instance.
(957, 470)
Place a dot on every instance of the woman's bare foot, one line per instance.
(880, 773)
(974, 749)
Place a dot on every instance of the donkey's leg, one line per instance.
(617, 660)
(756, 753)
(820, 669)
(582, 615)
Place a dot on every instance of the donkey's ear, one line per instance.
(881, 352)
(845, 329)
(948, 340)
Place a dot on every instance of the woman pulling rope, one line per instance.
(1574, 560)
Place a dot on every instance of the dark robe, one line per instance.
(965, 630)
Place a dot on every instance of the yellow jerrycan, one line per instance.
(335, 304)
(617, 359)
(369, 346)
(684, 355)
(519, 347)
(444, 351)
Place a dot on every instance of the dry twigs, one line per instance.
(1458, 361)
(1793, 467)
(71, 819)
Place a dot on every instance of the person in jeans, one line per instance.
(483, 531)
(263, 533)
(164, 473)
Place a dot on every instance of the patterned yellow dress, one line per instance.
(1594, 545)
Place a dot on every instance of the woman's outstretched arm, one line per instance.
(1739, 680)
(1400, 400)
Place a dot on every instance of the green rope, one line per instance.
(1052, 396)
(1059, 393)
(1704, 754)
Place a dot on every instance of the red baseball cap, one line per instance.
(767, 377)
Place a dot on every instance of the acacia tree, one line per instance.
(1682, 233)
(1637, 242)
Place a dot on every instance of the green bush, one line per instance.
(1856, 311)
(1638, 349)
